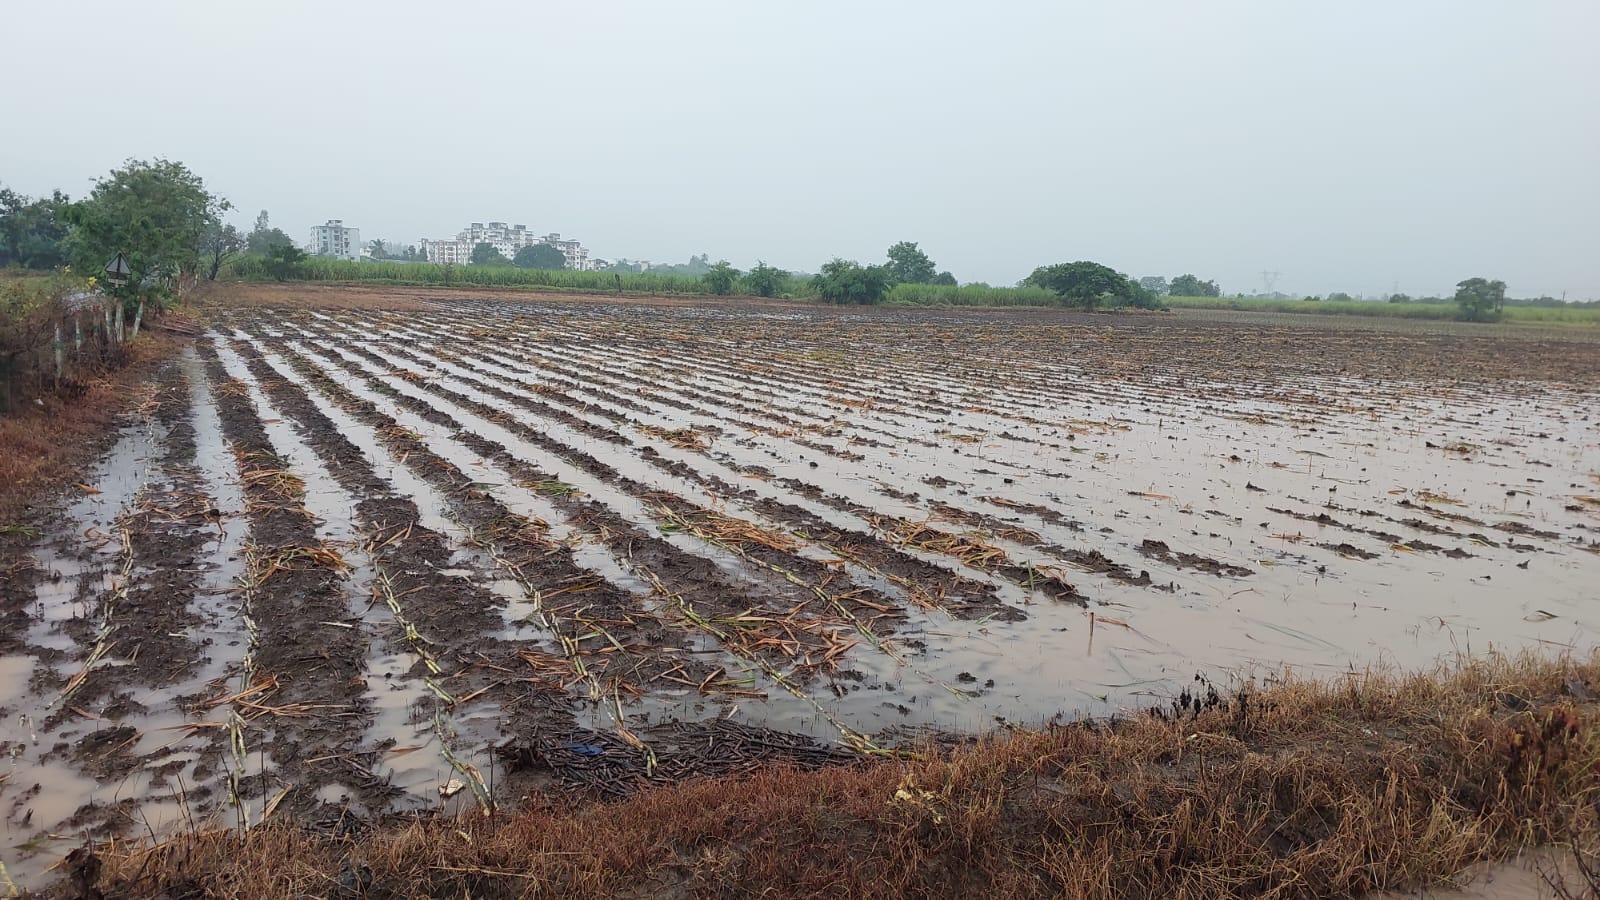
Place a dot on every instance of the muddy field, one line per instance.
(352, 563)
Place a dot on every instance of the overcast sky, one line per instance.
(1351, 146)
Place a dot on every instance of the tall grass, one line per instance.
(486, 276)
(969, 295)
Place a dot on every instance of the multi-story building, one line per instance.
(335, 240)
(507, 239)
(446, 253)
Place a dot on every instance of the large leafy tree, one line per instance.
(220, 243)
(846, 281)
(765, 280)
(155, 213)
(263, 237)
(284, 261)
(1480, 299)
(909, 265)
(1190, 286)
(487, 255)
(32, 230)
(1084, 283)
(1155, 284)
(539, 256)
(721, 278)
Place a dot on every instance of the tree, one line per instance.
(1155, 284)
(765, 280)
(944, 278)
(1084, 283)
(32, 231)
(721, 278)
(1480, 299)
(910, 265)
(539, 256)
(1399, 298)
(846, 281)
(487, 255)
(1340, 297)
(219, 244)
(283, 261)
(155, 213)
(263, 237)
(1190, 286)
(376, 249)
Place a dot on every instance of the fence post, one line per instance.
(137, 318)
(109, 340)
(77, 335)
(121, 336)
(60, 355)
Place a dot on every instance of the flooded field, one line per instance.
(351, 563)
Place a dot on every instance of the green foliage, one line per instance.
(220, 243)
(970, 295)
(539, 256)
(32, 231)
(1084, 283)
(1155, 284)
(263, 237)
(322, 269)
(1480, 300)
(154, 213)
(285, 261)
(846, 281)
(945, 279)
(909, 265)
(721, 278)
(487, 255)
(1190, 286)
(765, 280)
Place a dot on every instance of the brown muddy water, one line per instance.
(357, 564)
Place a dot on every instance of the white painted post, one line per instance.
(118, 327)
(77, 335)
(138, 317)
(60, 355)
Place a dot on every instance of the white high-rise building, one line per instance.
(335, 240)
(507, 239)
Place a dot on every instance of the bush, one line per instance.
(846, 281)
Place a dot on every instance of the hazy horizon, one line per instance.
(1360, 147)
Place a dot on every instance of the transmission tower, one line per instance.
(1269, 280)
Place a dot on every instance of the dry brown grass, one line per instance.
(47, 443)
(1307, 789)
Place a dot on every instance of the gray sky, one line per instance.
(1351, 145)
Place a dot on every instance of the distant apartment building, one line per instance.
(507, 239)
(335, 240)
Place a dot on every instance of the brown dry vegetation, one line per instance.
(1306, 789)
(46, 443)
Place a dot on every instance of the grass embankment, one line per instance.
(1306, 789)
(1531, 315)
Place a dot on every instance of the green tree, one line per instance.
(539, 256)
(1190, 286)
(32, 231)
(721, 278)
(765, 280)
(155, 213)
(263, 237)
(220, 243)
(283, 261)
(1399, 298)
(487, 255)
(944, 278)
(846, 281)
(376, 249)
(1155, 284)
(909, 265)
(1480, 299)
(1084, 283)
